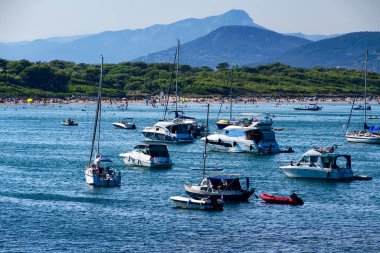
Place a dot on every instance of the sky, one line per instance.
(37, 19)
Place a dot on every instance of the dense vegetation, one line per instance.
(59, 78)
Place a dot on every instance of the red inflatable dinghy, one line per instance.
(292, 200)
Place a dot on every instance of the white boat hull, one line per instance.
(124, 126)
(317, 173)
(138, 159)
(201, 204)
(363, 139)
(102, 181)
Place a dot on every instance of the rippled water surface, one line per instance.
(46, 205)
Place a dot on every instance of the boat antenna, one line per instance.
(97, 112)
(205, 146)
(170, 85)
(365, 90)
(176, 77)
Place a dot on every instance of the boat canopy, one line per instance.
(225, 182)
(154, 149)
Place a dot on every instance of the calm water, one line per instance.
(46, 205)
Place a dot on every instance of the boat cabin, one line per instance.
(222, 183)
(154, 150)
(314, 158)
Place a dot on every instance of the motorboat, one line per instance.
(372, 117)
(211, 203)
(362, 107)
(222, 123)
(197, 129)
(317, 165)
(226, 187)
(309, 107)
(69, 122)
(258, 138)
(364, 135)
(153, 155)
(97, 174)
(126, 123)
(169, 131)
(292, 200)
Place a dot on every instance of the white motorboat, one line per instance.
(257, 138)
(69, 122)
(310, 107)
(153, 155)
(169, 131)
(317, 165)
(95, 173)
(211, 203)
(126, 123)
(364, 135)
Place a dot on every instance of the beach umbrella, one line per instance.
(29, 100)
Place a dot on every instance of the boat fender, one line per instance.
(234, 144)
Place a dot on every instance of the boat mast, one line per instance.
(231, 75)
(176, 77)
(170, 86)
(97, 113)
(365, 91)
(205, 146)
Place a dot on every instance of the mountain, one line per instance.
(233, 44)
(118, 46)
(313, 37)
(346, 51)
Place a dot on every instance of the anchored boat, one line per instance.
(211, 203)
(152, 155)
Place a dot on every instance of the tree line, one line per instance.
(61, 78)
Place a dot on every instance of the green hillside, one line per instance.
(59, 78)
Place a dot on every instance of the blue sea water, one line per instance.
(45, 204)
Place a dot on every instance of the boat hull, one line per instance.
(124, 126)
(235, 196)
(102, 181)
(196, 204)
(363, 139)
(317, 173)
(157, 162)
(161, 137)
(280, 199)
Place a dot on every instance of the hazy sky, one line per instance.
(33, 19)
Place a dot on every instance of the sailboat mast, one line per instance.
(365, 90)
(176, 76)
(100, 103)
(205, 146)
(231, 75)
(97, 112)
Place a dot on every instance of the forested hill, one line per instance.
(59, 78)
(240, 45)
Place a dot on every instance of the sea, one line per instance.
(46, 205)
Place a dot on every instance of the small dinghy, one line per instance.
(211, 203)
(292, 200)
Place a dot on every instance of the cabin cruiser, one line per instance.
(169, 131)
(102, 175)
(258, 138)
(317, 165)
(126, 123)
(211, 203)
(69, 122)
(153, 155)
(226, 187)
(310, 107)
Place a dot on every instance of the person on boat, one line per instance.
(331, 150)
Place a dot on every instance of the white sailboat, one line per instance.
(363, 135)
(97, 173)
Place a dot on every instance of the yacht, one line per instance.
(152, 155)
(317, 165)
(258, 138)
(169, 131)
(364, 135)
(96, 173)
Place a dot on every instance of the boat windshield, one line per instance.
(181, 129)
(233, 133)
(158, 151)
